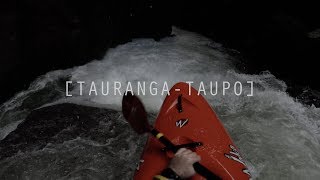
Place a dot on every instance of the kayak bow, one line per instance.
(187, 120)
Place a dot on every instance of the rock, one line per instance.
(59, 123)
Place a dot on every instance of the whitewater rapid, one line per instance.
(277, 136)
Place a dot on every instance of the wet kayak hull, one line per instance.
(185, 117)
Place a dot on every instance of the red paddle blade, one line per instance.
(134, 112)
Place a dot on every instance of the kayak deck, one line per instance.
(186, 117)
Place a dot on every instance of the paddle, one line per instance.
(135, 113)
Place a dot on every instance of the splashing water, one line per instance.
(278, 137)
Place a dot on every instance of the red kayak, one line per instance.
(188, 120)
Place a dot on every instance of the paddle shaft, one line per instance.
(199, 168)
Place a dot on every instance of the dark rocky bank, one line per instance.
(271, 35)
(69, 141)
(59, 123)
(38, 36)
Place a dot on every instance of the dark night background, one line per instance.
(38, 36)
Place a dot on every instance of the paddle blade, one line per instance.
(134, 112)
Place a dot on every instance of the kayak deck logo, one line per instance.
(182, 122)
(235, 155)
